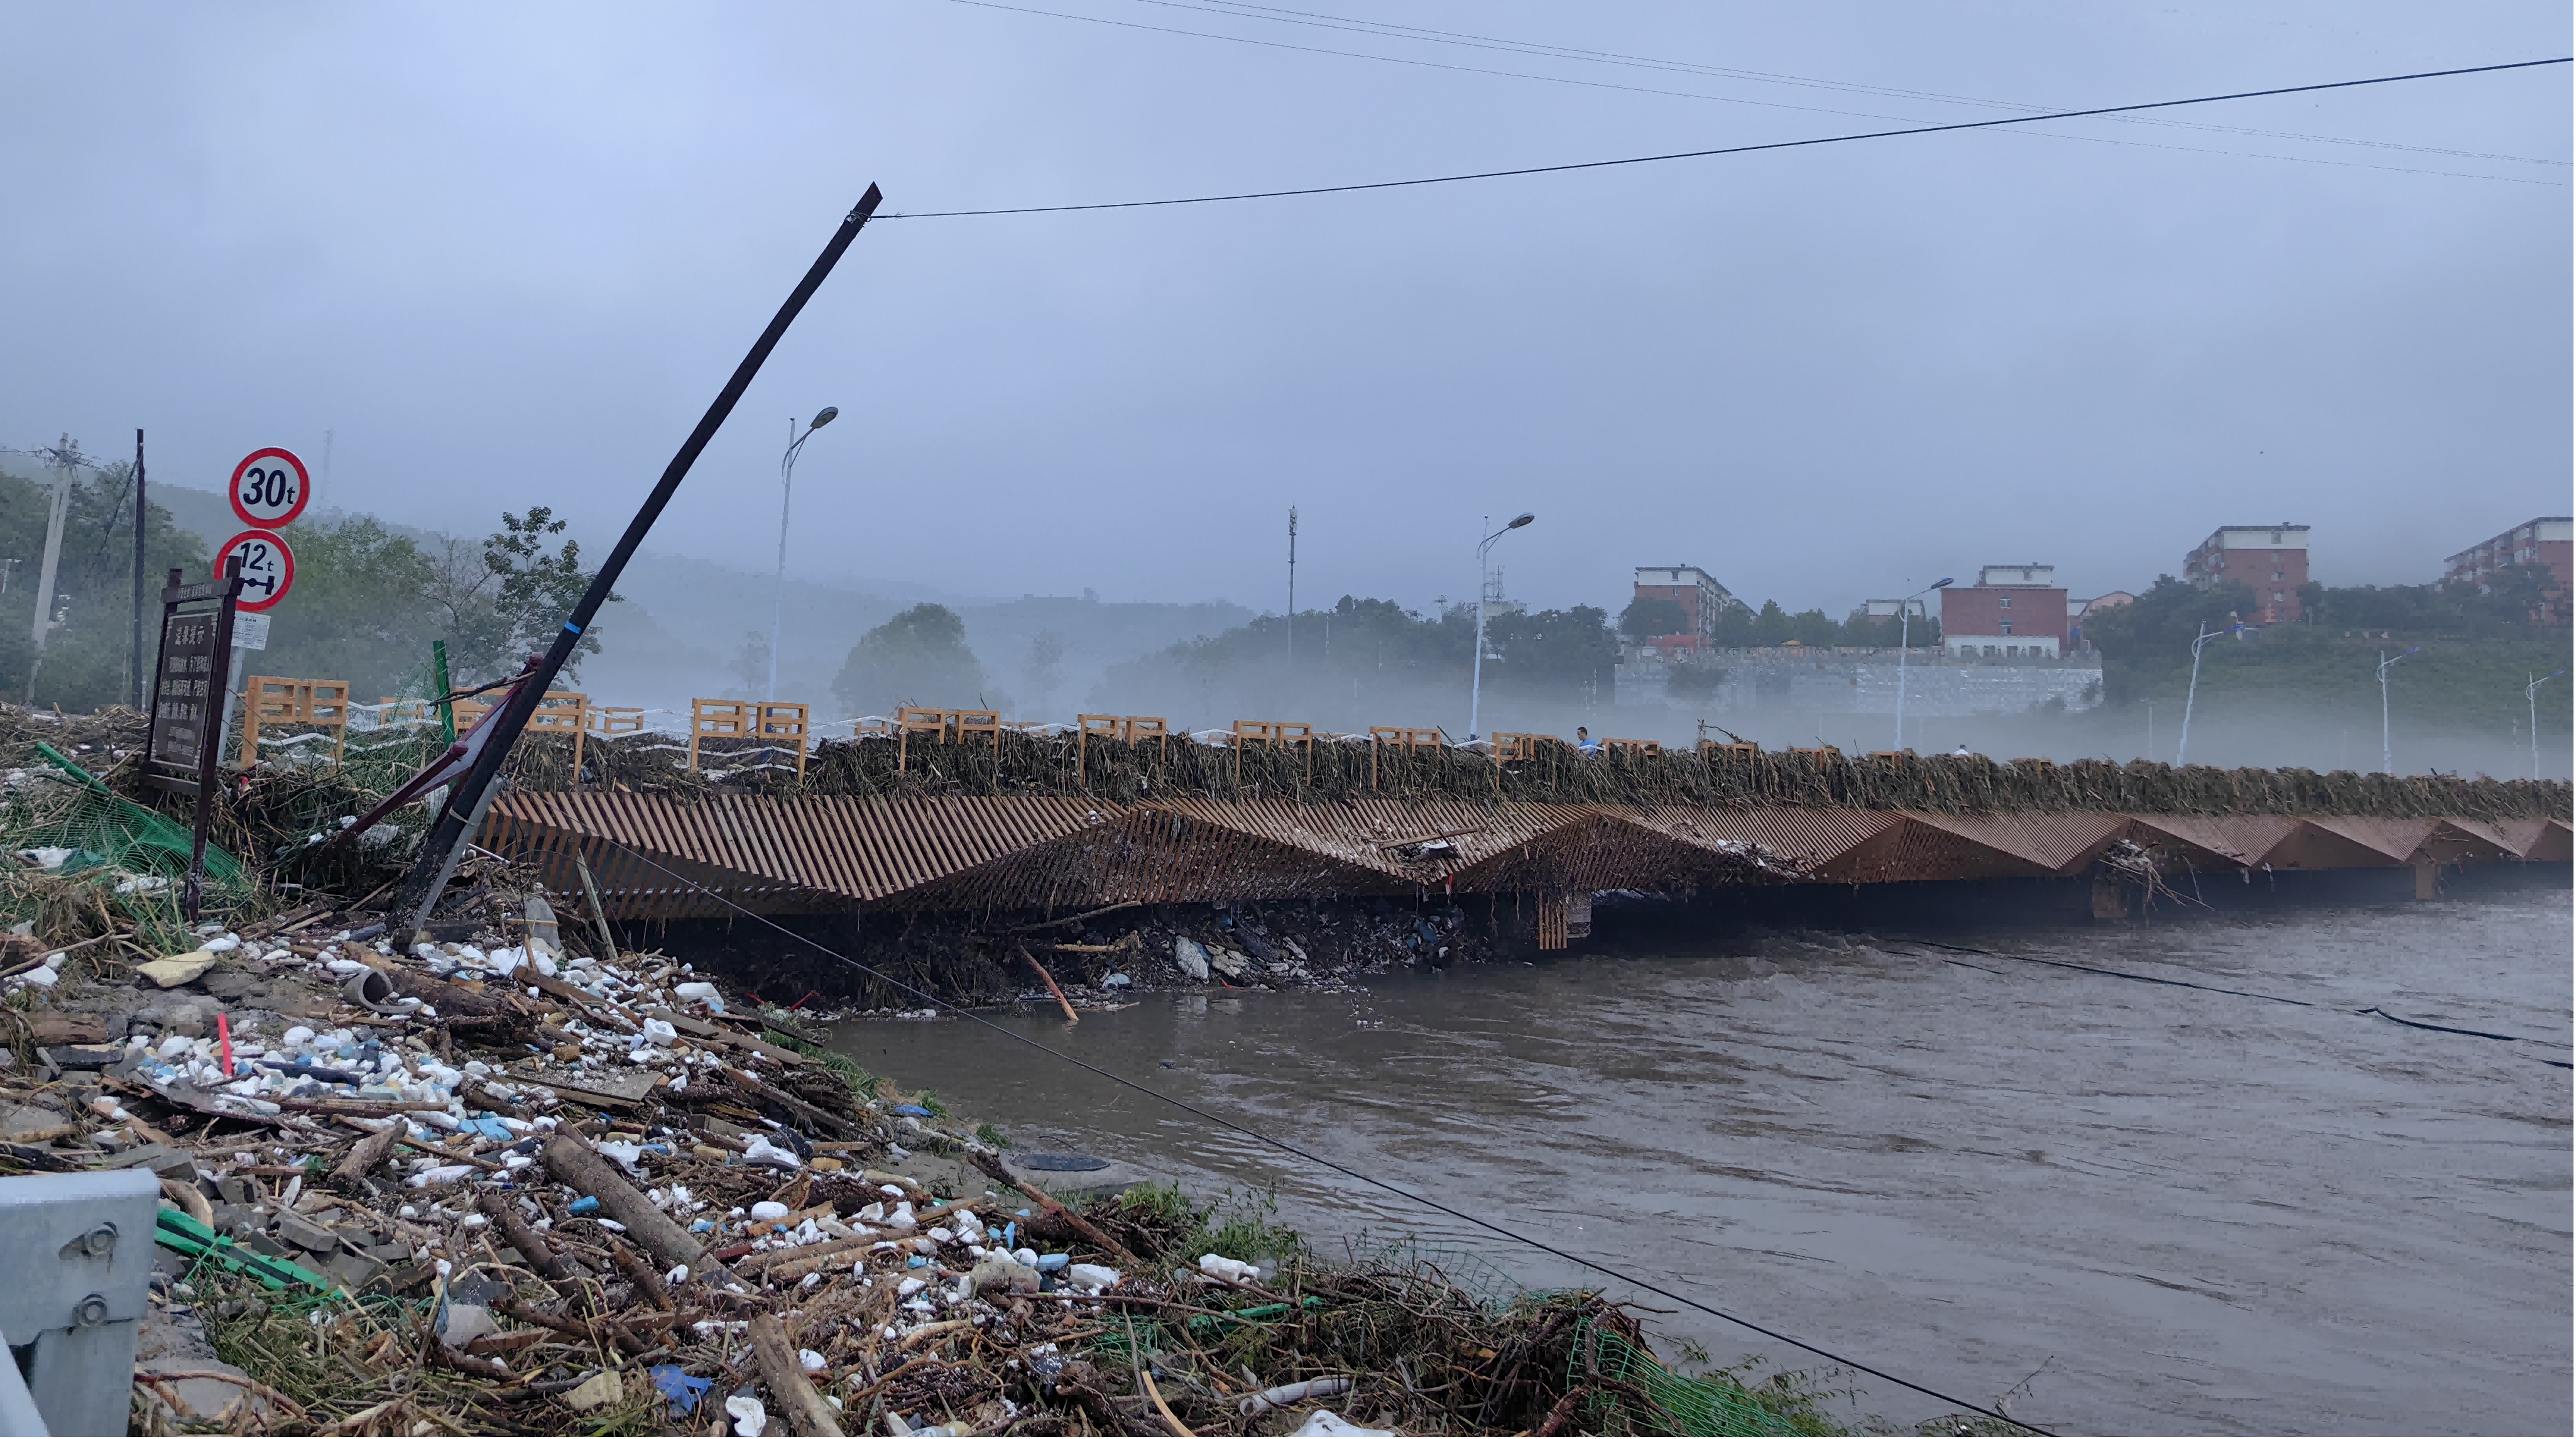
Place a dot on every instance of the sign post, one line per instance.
(191, 687)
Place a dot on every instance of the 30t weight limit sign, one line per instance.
(267, 567)
(270, 489)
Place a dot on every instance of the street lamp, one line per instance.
(2531, 693)
(2206, 635)
(786, 481)
(2386, 765)
(1904, 630)
(1476, 685)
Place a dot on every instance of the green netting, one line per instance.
(119, 855)
(1460, 1269)
(1711, 1404)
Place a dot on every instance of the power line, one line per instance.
(1388, 30)
(2374, 1012)
(1286, 1148)
(1809, 142)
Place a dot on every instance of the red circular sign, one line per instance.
(268, 567)
(270, 489)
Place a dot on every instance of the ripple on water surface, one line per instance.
(2191, 1211)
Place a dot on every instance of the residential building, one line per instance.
(2011, 611)
(2544, 541)
(2271, 560)
(1701, 597)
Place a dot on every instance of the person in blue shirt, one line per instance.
(1584, 743)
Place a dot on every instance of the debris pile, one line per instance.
(501, 1184)
(1103, 960)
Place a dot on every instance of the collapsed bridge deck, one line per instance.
(703, 855)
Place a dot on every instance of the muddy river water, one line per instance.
(2138, 1208)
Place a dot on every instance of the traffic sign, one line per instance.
(270, 489)
(268, 567)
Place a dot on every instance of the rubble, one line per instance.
(532, 1190)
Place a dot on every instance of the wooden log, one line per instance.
(648, 1280)
(366, 1154)
(582, 1167)
(832, 1124)
(1052, 987)
(531, 1245)
(798, 1402)
(449, 998)
(786, 1266)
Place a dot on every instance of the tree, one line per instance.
(87, 654)
(918, 657)
(1044, 666)
(2156, 632)
(1560, 654)
(1771, 625)
(356, 612)
(1652, 617)
(501, 601)
(1812, 628)
(751, 664)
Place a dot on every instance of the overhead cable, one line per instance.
(1667, 156)
(1575, 54)
(2373, 1012)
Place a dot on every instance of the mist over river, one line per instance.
(2157, 1209)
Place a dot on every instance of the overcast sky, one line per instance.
(506, 254)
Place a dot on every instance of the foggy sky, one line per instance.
(505, 255)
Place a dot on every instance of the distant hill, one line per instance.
(679, 633)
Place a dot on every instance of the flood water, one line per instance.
(2167, 1210)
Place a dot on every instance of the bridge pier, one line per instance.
(2428, 878)
(2113, 897)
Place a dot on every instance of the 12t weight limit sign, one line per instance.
(270, 489)
(267, 567)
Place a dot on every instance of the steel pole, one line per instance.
(2188, 696)
(2531, 693)
(1904, 642)
(446, 842)
(1292, 597)
(140, 510)
(2386, 764)
(778, 598)
(1476, 683)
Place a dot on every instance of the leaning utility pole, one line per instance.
(1292, 594)
(66, 455)
(139, 512)
(473, 794)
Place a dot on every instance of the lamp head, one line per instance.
(825, 416)
(1519, 521)
(1940, 584)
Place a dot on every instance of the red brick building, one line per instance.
(2270, 560)
(1701, 597)
(2544, 541)
(2010, 610)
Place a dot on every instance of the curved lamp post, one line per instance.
(2531, 695)
(2206, 635)
(1476, 686)
(786, 482)
(1904, 629)
(2386, 764)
